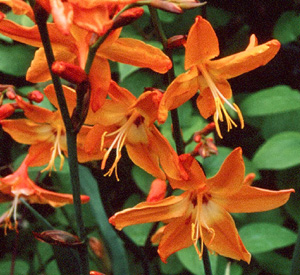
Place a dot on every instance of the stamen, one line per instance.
(220, 109)
(119, 141)
(56, 150)
(11, 212)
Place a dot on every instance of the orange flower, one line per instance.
(19, 185)
(74, 49)
(202, 211)
(210, 76)
(94, 16)
(44, 130)
(125, 120)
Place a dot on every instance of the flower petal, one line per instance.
(225, 240)
(240, 63)
(169, 208)
(19, 7)
(252, 199)
(202, 43)
(176, 236)
(137, 53)
(179, 91)
(39, 154)
(230, 177)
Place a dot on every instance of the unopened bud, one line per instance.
(157, 191)
(127, 17)
(58, 237)
(96, 246)
(10, 93)
(7, 110)
(35, 96)
(204, 132)
(189, 4)
(176, 41)
(69, 72)
(96, 273)
(166, 6)
(205, 148)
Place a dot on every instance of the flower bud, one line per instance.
(2, 16)
(35, 96)
(166, 6)
(176, 41)
(96, 273)
(96, 246)
(69, 72)
(157, 191)
(7, 110)
(127, 17)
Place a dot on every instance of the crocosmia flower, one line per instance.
(19, 185)
(209, 76)
(202, 211)
(125, 120)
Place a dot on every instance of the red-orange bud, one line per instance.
(2, 15)
(176, 41)
(127, 17)
(96, 273)
(7, 110)
(69, 72)
(35, 96)
(157, 191)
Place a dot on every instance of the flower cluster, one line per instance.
(85, 37)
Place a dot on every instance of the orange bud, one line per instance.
(35, 96)
(2, 15)
(96, 273)
(96, 246)
(69, 72)
(7, 110)
(127, 17)
(157, 191)
(176, 41)
(167, 6)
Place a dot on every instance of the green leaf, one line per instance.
(275, 100)
(264, 237)
(111, 239)
(287, 28)
(274, 263)
(173, 266)
(279, 152)
(15, 59)
(190, 260)
(142, 179)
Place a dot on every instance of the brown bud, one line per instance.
(58, 237)
(69, 72)
(127, 17)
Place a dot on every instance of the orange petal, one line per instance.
(196, 178)
(202, 43)
(19, 7)
(169, 208)
(26, 131)
(240, 63)
(100, 80)
(180, 90)
(225, 239)
(38, 70)
(230, 177)
(69, 93)
(137, 53)
(120, 94)
(176, 236)
(205, 101)
(62, 15)
(142, 155)
(252, 199)
(39, 154)
(36, 113)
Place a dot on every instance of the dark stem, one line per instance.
(41, 20)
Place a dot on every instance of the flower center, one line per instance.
(199, 224)
(118, 143)
(219, 98)
(56, 150)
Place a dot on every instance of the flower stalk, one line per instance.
(41, 20)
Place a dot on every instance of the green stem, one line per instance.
(41, 20)
(174, 114)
